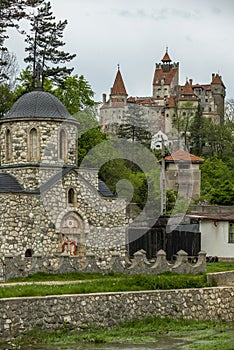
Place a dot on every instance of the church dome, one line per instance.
(38, 104)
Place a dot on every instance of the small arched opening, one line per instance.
(71, 196)
(62, 145)
(33, 145)
(28, 253)
(8, 145)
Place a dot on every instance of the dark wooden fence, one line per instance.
(185, 236)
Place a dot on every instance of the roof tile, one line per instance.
(182, 155)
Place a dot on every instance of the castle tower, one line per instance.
(118, 91)
(218, 92)
(112, 111)
(166, 77)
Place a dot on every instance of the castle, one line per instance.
(171, 106)
(47, 204)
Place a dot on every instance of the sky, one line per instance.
(199, 35)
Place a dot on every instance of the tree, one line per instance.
(134, 126)
(216, 181)
(11, 11)
(220, 141)
(87, 142)
(184, 115)
(198, 132)
(76, 94)
(44, 46)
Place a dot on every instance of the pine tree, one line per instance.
(44, 46)
(11, 11)
(134, 125)
(198, 132)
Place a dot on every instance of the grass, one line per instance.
(108, 283)
(199, 334)
(220, 267)
(112, 282)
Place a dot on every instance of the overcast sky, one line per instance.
(135, 33)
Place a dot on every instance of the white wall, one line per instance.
(214, 238)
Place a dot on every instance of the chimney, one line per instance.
(103, 98)
(191, 82)
(213, 75)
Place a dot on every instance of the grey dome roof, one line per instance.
(38, 104)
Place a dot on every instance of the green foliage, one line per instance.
(88, 141)
(6, 99)
(176, 203)
(76, 94)
(220, 141)
(217, 182)
(198, 132)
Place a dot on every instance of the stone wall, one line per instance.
(25, 225)
(19, 315)
(222, 278)
(35, 221)
(48, 143)
(18, 266)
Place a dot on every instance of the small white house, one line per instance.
(217, 234)
(157, 139)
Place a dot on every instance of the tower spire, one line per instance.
(118, 87)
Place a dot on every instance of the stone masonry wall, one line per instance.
(30, 221)
(19, 315)
(48, 140)
(25, 225)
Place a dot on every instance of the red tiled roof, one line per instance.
(187, 93)
(187, 89)
(182, 155)
(166, 58)
(171, 102)
(118, 87)
(201, 86)
(217, 80)
(159, 74)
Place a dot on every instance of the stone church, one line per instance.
(168, 103)
(48, 205)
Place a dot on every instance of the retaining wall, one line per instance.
(222, 278)
(19, 315)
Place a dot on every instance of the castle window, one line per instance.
(231, 233)
(62, 145)
(33, 144)
(71, 196)
(8, 145)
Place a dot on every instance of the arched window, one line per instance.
(71, 196)
(33, 145)
(62, 145)
(8, 145)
